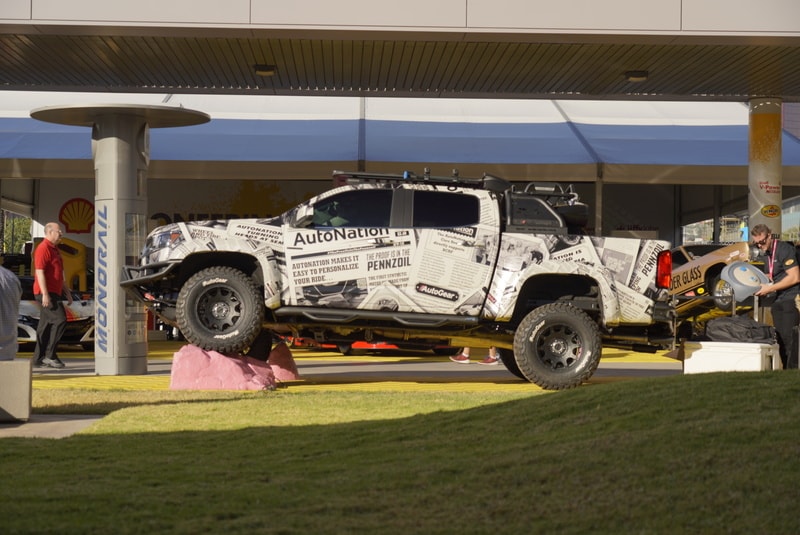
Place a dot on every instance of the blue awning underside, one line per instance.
(564, 140)
(401, 141)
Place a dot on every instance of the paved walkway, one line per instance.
(319, 370)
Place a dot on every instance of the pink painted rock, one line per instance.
(282, 363)
(197, 369)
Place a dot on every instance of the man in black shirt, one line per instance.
(780, 265)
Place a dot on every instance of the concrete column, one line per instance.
(765, 166)
(598, 206)
(121, 152)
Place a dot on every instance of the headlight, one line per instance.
(164, 238)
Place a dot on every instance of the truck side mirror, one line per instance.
(304, 216)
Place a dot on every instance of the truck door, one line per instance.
(453, 250)
(328, 257)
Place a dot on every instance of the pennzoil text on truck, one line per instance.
(434, 260)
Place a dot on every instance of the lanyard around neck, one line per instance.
(772, 260)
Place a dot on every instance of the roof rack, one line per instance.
(552, 192)
(487, 182)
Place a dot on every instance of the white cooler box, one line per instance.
(702, 357)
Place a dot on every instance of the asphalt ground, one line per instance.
(392, 370)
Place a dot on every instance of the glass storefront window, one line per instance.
(733, 227)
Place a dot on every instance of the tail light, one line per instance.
(664, 269)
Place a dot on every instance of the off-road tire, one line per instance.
(220, 309)
(508, 360)
(557, 346)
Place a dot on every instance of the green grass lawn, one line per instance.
(716, 453)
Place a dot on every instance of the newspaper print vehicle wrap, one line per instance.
(623, 269)
(423, 260)
(421, 270)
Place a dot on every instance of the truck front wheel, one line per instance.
(557, 346)
(219, 309)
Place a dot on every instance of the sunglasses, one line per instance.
(760, 242)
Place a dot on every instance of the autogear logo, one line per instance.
(771, 210)
(435, 291)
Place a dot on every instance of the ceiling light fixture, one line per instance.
(636, 76)
(262, 69)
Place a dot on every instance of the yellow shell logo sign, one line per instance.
(77, 215)
(771, 210)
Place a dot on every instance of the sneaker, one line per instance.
(489, 361)
(461, 359)
(52, 363)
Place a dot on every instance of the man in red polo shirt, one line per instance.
(49, 290)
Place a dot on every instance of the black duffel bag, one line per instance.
(740, 329)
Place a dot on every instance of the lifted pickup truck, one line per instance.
(434, 260)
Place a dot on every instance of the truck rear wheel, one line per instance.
(557, 346)
(508, 360)
(219, 309)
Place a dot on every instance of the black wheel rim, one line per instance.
(219, 308)
(558, 346)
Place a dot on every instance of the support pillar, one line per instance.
(765, 173)
(121, 153)
(598, 201)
